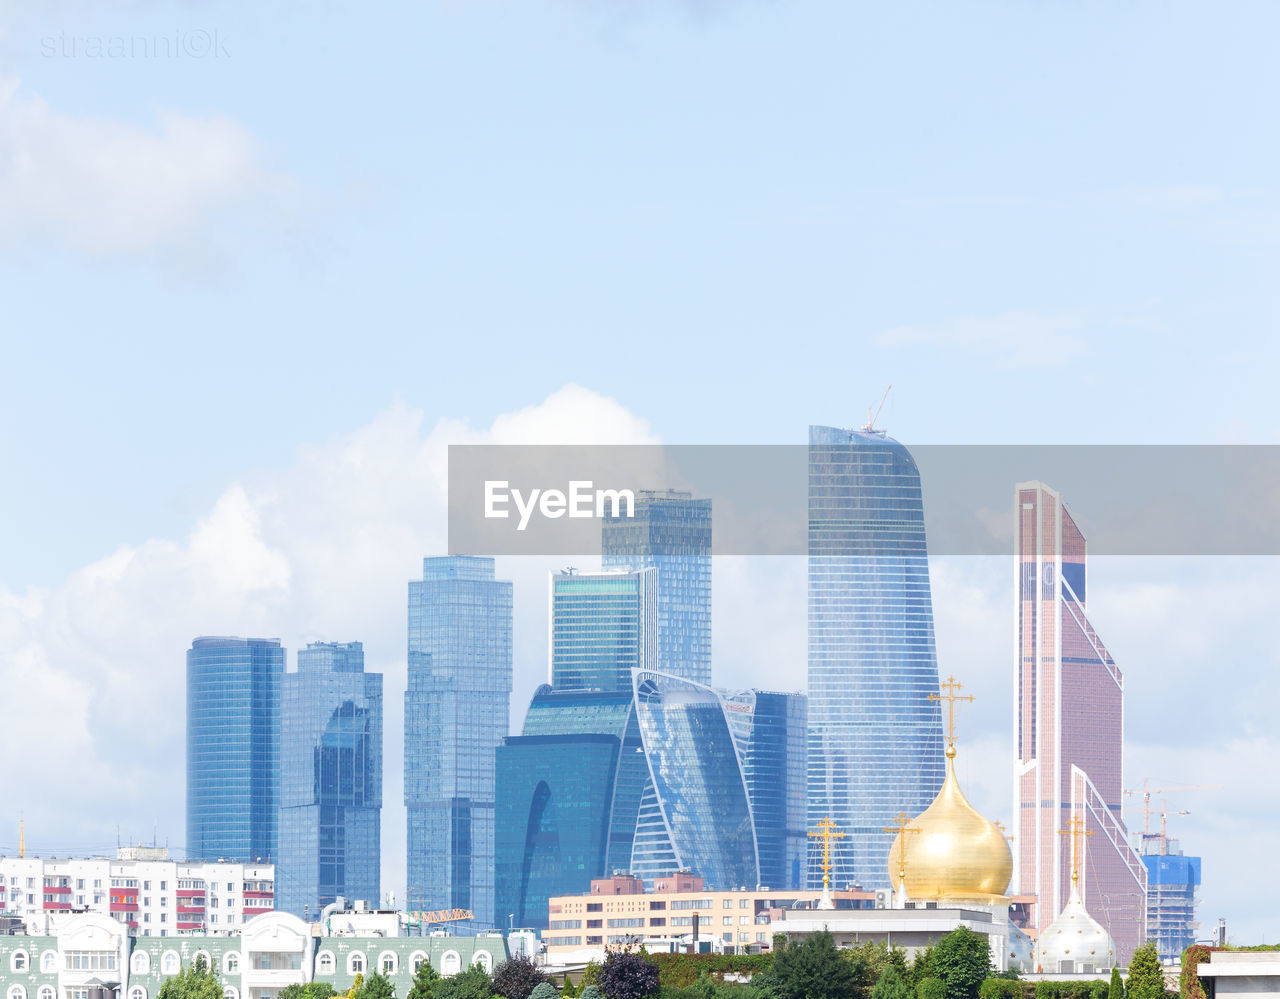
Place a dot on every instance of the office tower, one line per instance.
(875, 738)
(670, 531)
(330, 779)
(233, 748)
(1172, 880)
(770, 729)
(603, 625)
(694, 812)
(568, 794)
(1068, 731)
(456, 713)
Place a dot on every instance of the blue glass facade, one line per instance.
(670, 531)
(233, 748)
(330, 780)
(875, 739)
(771, 729)
(695, 814)
(603, 625)
(456, 713)
(568, 795)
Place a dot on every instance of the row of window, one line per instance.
(388, 962)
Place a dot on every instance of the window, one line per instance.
(91, 960)
(657, 905)
(451, 963)
(49, 961)
(169, 964)
(18, 962)
(17, 992)
(231, 963)
(728, 904)
(387, 962)
(48, 992)
(230, 993)
(140, 963)
(483, 960)
(137, 992)
(324, 963)
(355, 963)
(416, 959)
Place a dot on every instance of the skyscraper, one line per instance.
(603, 625)
(233, 748)
(456, 713)
(875, 738)
(670, 531)
(695, 814)
(568, 794)
(330, 780)
(770, 729)
(1068, 731)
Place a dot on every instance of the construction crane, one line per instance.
(1146, 792)
(871, 420)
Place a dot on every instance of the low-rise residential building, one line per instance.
(618, 912)
(141, 888)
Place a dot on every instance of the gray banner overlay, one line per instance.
(1127, 499)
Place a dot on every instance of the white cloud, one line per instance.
(1018, 339)
(105, 186)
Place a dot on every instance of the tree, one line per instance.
(962, 959)
(474, 983)
(196, 982)
(921, 968)
(377, 986)
(425, 981)
(1146, 977)
(814, 969)
(356, 985)
(590, 991)
(627, 975)
(517, 978)
(544, 990)
(1115, 990)
(568, 992)
(312, 990)
(892, 984)
(932, 988)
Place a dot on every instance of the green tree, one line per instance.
(356, 985)
(814, 969)
(590, 990)
(377, 986)
(474, 983)
(312, 990)
(518, 977)
(627, 975)
(425, 981)
(932, 988)
(962, 959)
(1146, 977)
(921, 968)
(1115, 990)
(568, 992)
(590, 974)
(544, 990)
(196, 982)
(892, 984)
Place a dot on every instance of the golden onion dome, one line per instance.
(953, 853)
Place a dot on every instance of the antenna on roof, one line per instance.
(871, 420)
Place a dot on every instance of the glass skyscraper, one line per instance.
(695, 814)
(1068, 731)
(603, 625)
(456, 713)
(233, 748)
(770, 729)
(875, 738)
(330, 780)
(670, 531)
(568, 794)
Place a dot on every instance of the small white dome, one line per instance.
(1074, 942)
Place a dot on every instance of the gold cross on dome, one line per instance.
(949, 686)
(826, 832)
(1076, 830)
(901, 825)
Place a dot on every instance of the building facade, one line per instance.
(670, 531)
(695, 814)
(457, 711)
(1172, 896)
(1068, 731)
(603, 625)
(142, 890)
(618, 912)
(770, 729)
(330, 779)
(89, 955)
(569, 794)
(875, 738)
(233, 748)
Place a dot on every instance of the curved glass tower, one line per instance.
(695, 813)
(875, 738)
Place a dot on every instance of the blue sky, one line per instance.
(311, 241)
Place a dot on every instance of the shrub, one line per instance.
(628, 976)
(517, 978)
(933, 988)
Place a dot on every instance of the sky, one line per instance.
(261, 263)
